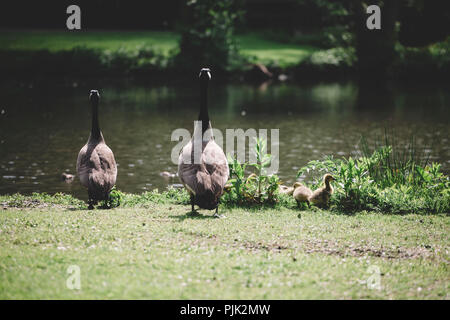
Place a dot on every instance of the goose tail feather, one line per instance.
(207, 200)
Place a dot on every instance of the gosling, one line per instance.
(301, 193)
(286, 190)
(321, 196)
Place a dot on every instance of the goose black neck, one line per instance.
(204, 116)
(327, 185)
(95, 129)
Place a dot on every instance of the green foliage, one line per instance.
(390, 163)
(428, 61)
(326, 38)
(207, 36)
(147, 199)
(115, 198)
(36, 200)
(379, 183)
(141, 57)
(337, 60)
(387, 180)
(83, 60)
(256, 188)
(328, 12)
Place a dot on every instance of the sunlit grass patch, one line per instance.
(253, 45)
(268, 51)
(102, 40)
(164, 252)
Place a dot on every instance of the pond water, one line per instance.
(43, 126)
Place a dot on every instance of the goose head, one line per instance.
(205, 74)
(94, 96)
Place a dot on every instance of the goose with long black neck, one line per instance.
(202, 165)
(96, 165)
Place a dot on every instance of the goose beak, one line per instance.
(205, 72)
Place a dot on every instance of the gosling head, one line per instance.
(297, 185)
(205, 74)
(94, 96)
(328, 178)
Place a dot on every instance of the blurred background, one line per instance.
(310, 68)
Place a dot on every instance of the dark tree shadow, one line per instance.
(97, 208)
(192, 215)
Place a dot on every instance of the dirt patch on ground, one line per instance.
(275, 247)
(325, 247)
(356, 250)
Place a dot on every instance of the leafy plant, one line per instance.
(115, 198)
(383, 181)
(256, 188)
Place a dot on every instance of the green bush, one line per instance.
(430, 61)
(115, 198)
(85, 61)
(258, 188)
(334, 61)
(326, 38)
(376, 183)
(18, 200)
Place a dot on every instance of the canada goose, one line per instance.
(96, 165)
(321, 196)
(285, 189)
(202, 165)
(301, 193)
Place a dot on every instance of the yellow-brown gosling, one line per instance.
(301, 193)
(321, 196)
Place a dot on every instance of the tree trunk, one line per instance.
(375, 48)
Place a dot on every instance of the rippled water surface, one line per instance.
(43, 126)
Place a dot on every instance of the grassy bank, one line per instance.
(157, 250)
(146, 48)
(40, 53)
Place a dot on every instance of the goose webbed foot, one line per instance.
(193, 211)
(217, 215)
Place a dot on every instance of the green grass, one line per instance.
(268, 51)
(253, 45)
(64, 40)
(161, 252)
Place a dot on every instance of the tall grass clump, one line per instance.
(396, 164)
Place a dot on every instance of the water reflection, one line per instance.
(43, 128)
